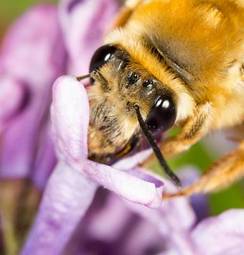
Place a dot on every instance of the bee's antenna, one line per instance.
(155, 148)
(79, 78)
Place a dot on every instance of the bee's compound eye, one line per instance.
(101, 56)
(162, 115)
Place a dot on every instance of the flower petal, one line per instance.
(70, 117)
(124, 184)
(10, 88)
(32, 52)
(113, 210)
(66, 199)
(84, 25)
(133, 161)
(223, 234)
(45, 159)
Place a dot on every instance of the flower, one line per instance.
(28, 80)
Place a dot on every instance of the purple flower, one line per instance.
(32, 56)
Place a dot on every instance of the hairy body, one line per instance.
(193, 52)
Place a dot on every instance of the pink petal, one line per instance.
(125, 185)
(84, 25)
(66, 199)
(70, 117)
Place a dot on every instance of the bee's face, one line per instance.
(118, 85)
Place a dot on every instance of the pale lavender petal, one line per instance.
(124, 184)
(100, 232)
(146, 175)
(174, 220)
(32, 50)
(223, 234)
(12, 94)
(84, 25)
(70, 117)
(45, 159)
(66, 199)
(20, 141)
(133, 161)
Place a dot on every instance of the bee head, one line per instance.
(136, 87)
(127, 101)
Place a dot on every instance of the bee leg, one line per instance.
(224, 172)
(125, 12)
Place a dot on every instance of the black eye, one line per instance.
(162, 115)
(101, 56)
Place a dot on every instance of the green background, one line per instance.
(198, 156)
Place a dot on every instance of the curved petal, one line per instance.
(223, 234)
(124, 184)
(66, 199)
(133, 161)
(84, 24)
(70, 117)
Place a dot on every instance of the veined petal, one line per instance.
(70, 117)
(124, 184)
(66, 199)
(84, 24)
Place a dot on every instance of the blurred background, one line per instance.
(9, 10)
(200, 156)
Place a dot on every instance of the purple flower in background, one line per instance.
(32, 57)
(77, 215)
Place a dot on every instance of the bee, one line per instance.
(170, 63)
